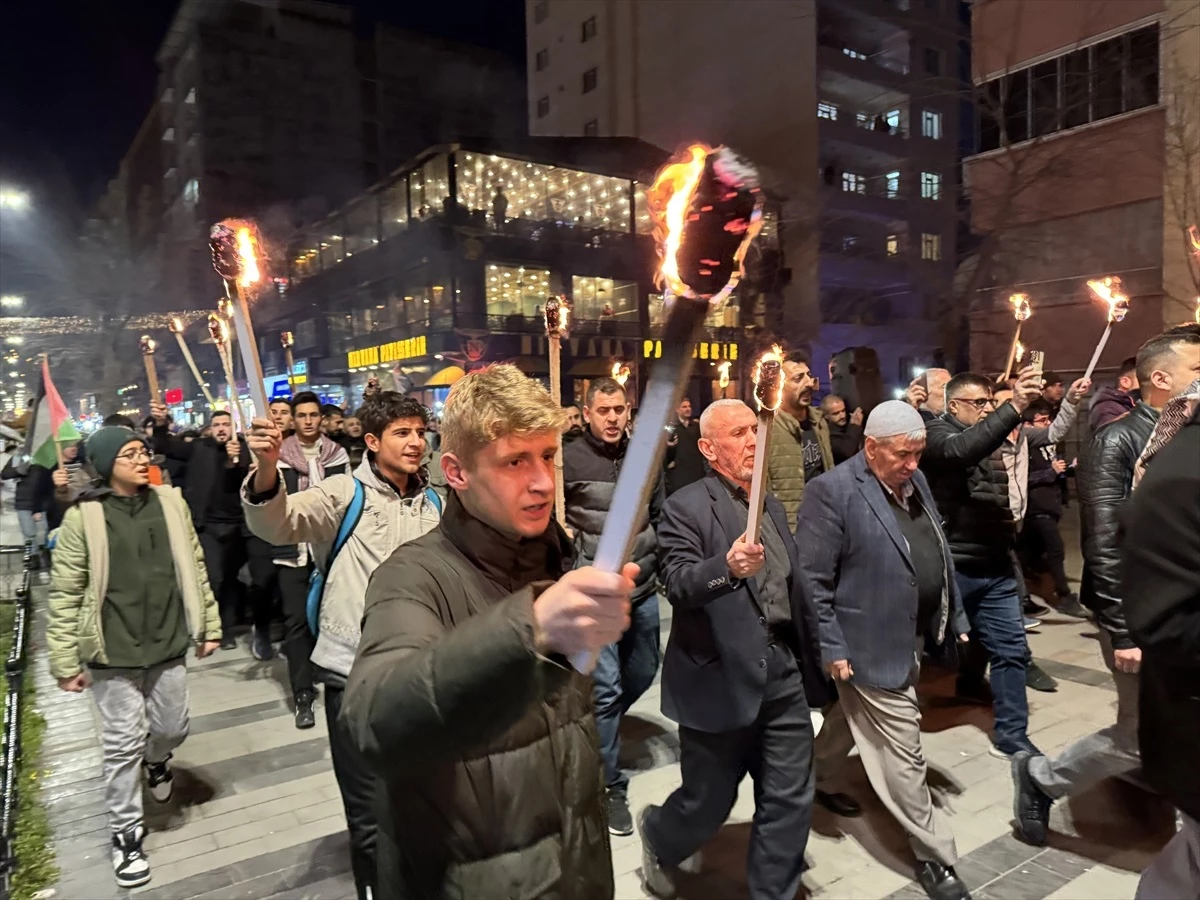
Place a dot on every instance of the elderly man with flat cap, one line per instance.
(874, 561)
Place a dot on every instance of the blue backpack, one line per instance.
(316, 582)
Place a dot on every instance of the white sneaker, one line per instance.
(160, 779)
(130, 865)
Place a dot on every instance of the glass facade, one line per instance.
(516, 290)
(600, 299)
(429, 187)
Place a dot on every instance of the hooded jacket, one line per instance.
(488, 749)
(590, 469)
(79, 582)
(785, 465)
(313, 517)
(1109, 403)
(1105, 480)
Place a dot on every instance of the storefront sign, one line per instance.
(409, 348)
(300, 370)
(713, 350)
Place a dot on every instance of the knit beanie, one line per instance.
(105, 444)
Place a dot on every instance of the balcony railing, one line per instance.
(606, 327)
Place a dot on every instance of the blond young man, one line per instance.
(461, 696)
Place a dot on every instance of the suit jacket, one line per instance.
(855, 568)
(715, 665)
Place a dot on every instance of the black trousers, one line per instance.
(298, 641)
(1044, 541)
(225, 552)
(776, 751)
(360, 792)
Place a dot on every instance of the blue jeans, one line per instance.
(993, 606)
(624, 671)
(33, 530)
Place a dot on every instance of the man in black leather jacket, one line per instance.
(970, 485)
(1166, 365)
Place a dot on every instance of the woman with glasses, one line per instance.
(129, 596)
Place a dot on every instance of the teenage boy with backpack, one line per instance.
(353, 523)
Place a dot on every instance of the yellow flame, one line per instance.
(767, 376)
(1198, 309)
(1109, 290)
(723, 375)
(1194, 237)
(287, 339)
(247, 247)
(1021, 308)
(620, 372)
(1020, 351)
(670, 196)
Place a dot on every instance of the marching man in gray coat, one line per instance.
(877, 566)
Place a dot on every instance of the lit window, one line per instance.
(853, 54)
(827, 111)
(169, 134)
(191, 192)
(542, 59)
(515, 290)
(893, 245)
(855, 184)
(602, 299)
(543, 107)
(931, 246)
(892, 181)
(591, 128)
(931, 124)
(589, 29)
(892, 117)
(863, 119)
(931, 185)
(590, 77)
(541, 9)
(191, 96)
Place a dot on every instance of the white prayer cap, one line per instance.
(893, 417)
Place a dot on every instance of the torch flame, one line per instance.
(767, 376)
(148, 345)
(247, 252)
(1021, 307)
(1109, 290)
(224, 308)
(218, 328)
(620, 372)
(557, 313)
(1020, 351)
(723, 375)
(677, 184)
(1194, 237)
(287, 339)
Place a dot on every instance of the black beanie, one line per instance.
(105, 444)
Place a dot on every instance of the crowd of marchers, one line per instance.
(433, 603)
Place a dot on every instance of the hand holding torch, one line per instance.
(1109, 290)
(176, 326)
(234, 247)
(1021, 312)
(707, 209)
(768, 394)
(558, 326)
(148, 346)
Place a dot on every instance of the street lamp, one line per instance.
(11, 198)
(12, 301)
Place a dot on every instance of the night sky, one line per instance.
(77, 78)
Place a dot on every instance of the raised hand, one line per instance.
(583, 611)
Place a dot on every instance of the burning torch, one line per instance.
(148, 345)
(1107, 289)
(176, 326)
(707, 208)
(234, 248)
(768, 394)
(219, 329)
(620, 372)
(723, 377)
(1021, 311)
(558, 326)
(287, 339)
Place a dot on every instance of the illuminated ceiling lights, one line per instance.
(516, 290)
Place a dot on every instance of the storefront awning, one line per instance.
(445, 377)
(596, 367)
(531, 365)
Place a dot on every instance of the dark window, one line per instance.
(1076, 90)
(1108, 61)
(369, 99)
(540, 11)
(589, 80)
(589, 29)
(370, 137)
(989, 115)
(542, 59)
(933, 61)
(1016, 107)
(1045, 98)
(1143, 68)
(591, 128)
(543, 107)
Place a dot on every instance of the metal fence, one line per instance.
(10, 740)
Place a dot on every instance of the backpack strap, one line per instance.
(432, 496)
(316, 584)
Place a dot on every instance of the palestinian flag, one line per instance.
(49, 419)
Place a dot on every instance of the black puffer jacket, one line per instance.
(205, 460)
(971, 488)
(487, 749)
(1104, 480)
(590, 469)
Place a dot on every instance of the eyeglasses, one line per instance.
(980, 403)
(135, 456)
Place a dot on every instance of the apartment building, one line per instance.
(850, 108)
(1089, 165)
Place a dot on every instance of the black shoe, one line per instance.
(1030, 608)
(941, 882)
(260, 646)
(1069, 605)
(228, 642)
(973, 692)
(655, 879)
(839, 804)
(159, 779)
(305, 718)
(1031, 807)
(616, 807)
(1037, 679)
(130, 865)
